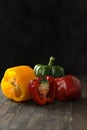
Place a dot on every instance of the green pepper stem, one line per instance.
(51, 61)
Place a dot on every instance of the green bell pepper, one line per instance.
(49, 70)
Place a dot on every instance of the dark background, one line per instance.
(31, 31)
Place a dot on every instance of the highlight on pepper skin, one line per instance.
(14, 84)
(68, 88)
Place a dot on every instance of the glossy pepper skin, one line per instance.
(14, 84)
(42, 91)
(49, 70)
(68, 88)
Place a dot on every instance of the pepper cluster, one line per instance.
(66, 88)
(43, 84)
(52, 83)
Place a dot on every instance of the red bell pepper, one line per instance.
(68, 88)
(42, 90)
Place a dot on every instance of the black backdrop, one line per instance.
(31, 31)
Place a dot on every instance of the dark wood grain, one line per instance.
(28, 115)
(79, 114)
(57, 116)
(2, 98)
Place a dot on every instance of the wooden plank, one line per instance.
(13, 115)
(57, 116)
(2, 98)
(28, 115)
(79, 114)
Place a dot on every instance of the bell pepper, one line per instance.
(68, 88)
(14, 83)
(49, 70)
(42, 90)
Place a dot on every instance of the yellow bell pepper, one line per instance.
(14, 84)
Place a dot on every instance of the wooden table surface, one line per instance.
(57, 116)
